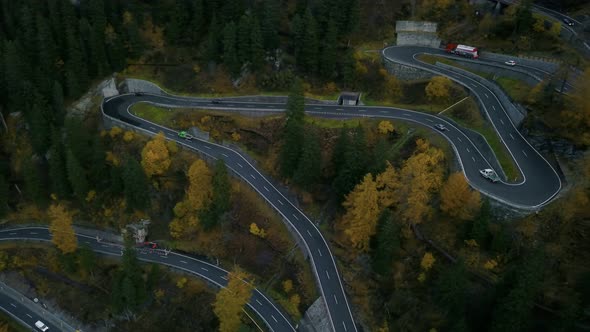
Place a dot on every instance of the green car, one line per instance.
(185, 135)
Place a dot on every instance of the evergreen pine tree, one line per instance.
(57, 167)
(39, 126)
(213, 45)
(57, 103)
(3, 196)
(308, 58)
(329, 52)
(221, 188)
(46, 56)
(34, 187)
(178, 22)
(197, 26)
(339, 153)
(257, 47)
(293, 132)
(270, 24)
(353, 169)
(76, 176)
(385, 244)
(243, 39)
(99, 172)
(451, 291)
(232, 10)
(348, 69)
(136, 186)
(309, 168)
(78, 139)
(479, 230)
(76, 71)
(230, 56)
(298, 32)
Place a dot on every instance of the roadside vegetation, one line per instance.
(395, 215)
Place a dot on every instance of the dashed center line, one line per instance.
(294, 216)
(259, 303)
(184, 262)
(204, 269)
(29, 316)
(340, 109)
(226, 156)
(335, 299)
(344, 324)
(406, 114)
(382, 111)
(494, 107)
(429, 120)
(320, 252)
(459, 138)
(327, 275)
(240, 165)
(525, 154)
(502, 121)
(362, 110)
(273, 317)
(12, 304)
(265, 188)
(473, 159)
(467, 150)
(511, 136)
(224, 278)
(33, 233)
(486, 95)
(309, 233)
(207, 147)
(280, 202)
(252, 176)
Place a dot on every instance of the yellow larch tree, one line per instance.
(457, 199)
(199, 189)
(62, 232)
(197, 196)
(230, 301)
(387, 185)
(362, 212)
(420, 177)
(155, 157)
(385, 127)
(427, 261)
(438, 88)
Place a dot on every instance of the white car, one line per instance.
(489, 174)
(440, 127)
(39, 324)
(510, 63)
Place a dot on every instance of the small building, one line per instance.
(349, 98)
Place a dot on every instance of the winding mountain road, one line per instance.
(265, 308)
(539, 185)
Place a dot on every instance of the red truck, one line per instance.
(463, 50)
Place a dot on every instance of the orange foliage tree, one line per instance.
(457, 199)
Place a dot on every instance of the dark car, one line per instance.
(568, 22)
(215, 101)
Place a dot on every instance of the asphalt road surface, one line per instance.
(540, 182)
(266, 309)
(23, 314)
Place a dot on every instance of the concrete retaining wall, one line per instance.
(423, 26)
(516, 114)
(419, 33)
(406, 73)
